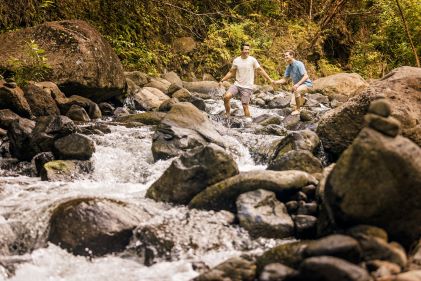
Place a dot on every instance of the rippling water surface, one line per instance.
(124, 169)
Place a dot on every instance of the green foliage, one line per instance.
(33, 66)
(383, 45)
(326, 68)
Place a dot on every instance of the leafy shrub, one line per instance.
(33, 66)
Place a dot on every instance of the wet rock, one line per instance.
(41, 102)
(173, 78)
(159, 83)
(206, 87)
(90, 107)
(377, 249)
(367, 231)
(382, 269)
(7, 117)
(291, 121)
(263, 215)
(310, 191)
(74, 146)
(338, 127)
(40, 159)
(336, 245)
(149, 98)
(371, 184)
(271, 120)
(183, 95)
(147, 118)
(65, 170)
(292, 206)
(331, 269)
(277, 272)
(94, 129)
(307, 208)
(191, 173)
(222, 195)
(318, 98)
(106, 108)
(281, 101)
(19, 134)
(171, 238)
(302, 160)
(234, 269)
(121, 111)
(289, 254)
(389, 126)
(413, 275)
(305, 226)
(299, 140)
(167, 104)
(7, 237)
(80, 59)
(77, 113)
(347, 84)
(307, 115)
(271, 130)
(139, 78)
(14, 99)
(183, 128)
(89, 226)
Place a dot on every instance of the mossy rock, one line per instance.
(147, 118)
(64, 170)
(290, 254)
(222, 195)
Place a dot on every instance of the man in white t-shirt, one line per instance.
(243, 68)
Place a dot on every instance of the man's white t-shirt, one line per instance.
(244, 77)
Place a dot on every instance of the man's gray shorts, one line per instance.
(245, 94)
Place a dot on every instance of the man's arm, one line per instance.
(227, 76)
(264, 74)
(299, 83)
(281, 81)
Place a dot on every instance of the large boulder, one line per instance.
(14, 99)
(377, 181)
(192, 173)
(89, 226)
(222, 195)
(183, 128)
(338, 127)
(82, 62)
(340, 84)
(19, 134)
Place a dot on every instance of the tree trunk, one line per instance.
(405, 26)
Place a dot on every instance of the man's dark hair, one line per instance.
(291, 52)
(244, 44)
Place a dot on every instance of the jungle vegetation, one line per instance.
(369, 37)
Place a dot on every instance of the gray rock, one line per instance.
(77, 113)
(389, 126)
(371, 184)
(305, 226)
(74, 146)
(88, 226)
(235, 269)
(263, 215)
(380, 107)
(331, 269)
(192, 173)
(222, 195)
(65, 170)
(336, 245)
(277, 272)
(302, 160)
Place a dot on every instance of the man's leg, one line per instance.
(227, 97)
(246, 110)
(299, 95)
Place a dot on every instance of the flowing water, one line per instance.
(123, 170)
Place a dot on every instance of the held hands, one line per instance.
(295, 87)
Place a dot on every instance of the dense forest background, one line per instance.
(369, 37)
